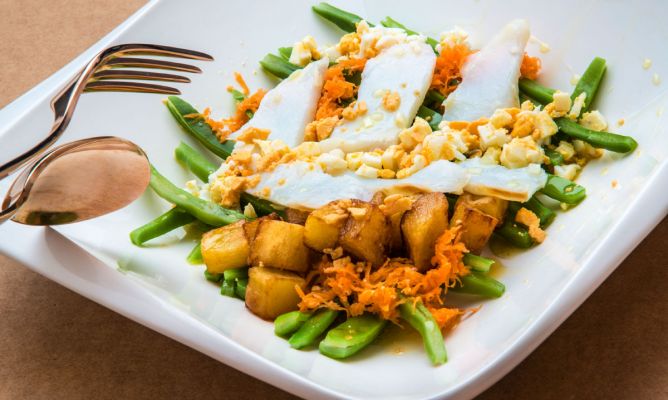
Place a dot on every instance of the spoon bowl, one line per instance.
(78, 181)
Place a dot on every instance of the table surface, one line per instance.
(57, 344)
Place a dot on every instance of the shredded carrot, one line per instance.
(240, 80)
(353, 287)
(226, 126)
(447, 73)
(337, 89)
(530, 67)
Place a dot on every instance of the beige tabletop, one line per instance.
(57, 344)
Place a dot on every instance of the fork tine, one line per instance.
(159, 50)
(120, 86)
(135, 62)
(129, 74)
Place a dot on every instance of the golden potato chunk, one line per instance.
(366, 232)
(271, 292)
(422, 225)
(279, 244)
(225, 248)
(295, 216)
(250, 227)
(478, 216)
(323, 225)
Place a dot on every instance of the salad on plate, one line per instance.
(364, 188)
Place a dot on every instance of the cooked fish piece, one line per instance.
(290, 106)
(304, 185)
(489, 77)
(517, 184)
(402, 72)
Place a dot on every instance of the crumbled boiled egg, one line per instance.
(366, 171)
(249, 211)
(586, 150)
(452, 38)
(331, 163)
(491, 156)
(594, 120)
(372, 160)
(304, 51)
(491, 136)
(646, 63)
(354, 160)
(566, 150)
(544, 125)
(567, 171)
(418, 162)
(578, 104)
(391, 156)
(410, 137)
(501, 118)
(521, 152)
(562, 102)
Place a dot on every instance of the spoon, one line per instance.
(78, 181)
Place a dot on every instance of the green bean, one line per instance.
(544, 213)
(536, 91)
(388, 22)
(309, 332)
(589, 82)
(236, 274)
(240, 288)
(352, 336)
(278, 66)
(262, 207)
(514, 234)
(237, 95)
(197, 128)
(288, 323)
(206, 211)
(564, 190)
(478, 263)
(434, 97)
(603, 140)
(479, 284)
(167, 222)
(554, 156)
(343, 19)
(419, 317)
(213, 277)
(285, 52)
(195, 161)
(195, 255)
(431, 116)
(228, 288)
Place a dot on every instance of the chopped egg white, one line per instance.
(566, 150)
(567, 171)
(518, 184)
(521, 152)
(304, 51)
(562, 101)
(594, 120)
(578, 104)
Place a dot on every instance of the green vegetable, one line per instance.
(478, 263)
(240, 288)
(434, 97)
(237, 95)
(564, 190)
(235, 274)
(228, 288)
(514, 234)
(290, 322)
(554, 156)
(213, 277)
(545, 214)
(261, 206)
(309, 332)
(278, 66)
(536, 91)
(352, 336)
(195, 161)
(285, 52)
(479, 284)
(197, 128)
(167, 222)
(590, 81)
(431, 116)
(422, 321)
(388, 22)
(603, 140)
(343, 19)
(206, 211)
(195, 255)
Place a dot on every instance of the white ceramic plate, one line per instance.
(157, 288)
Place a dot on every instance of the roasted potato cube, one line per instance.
(366, 233)
(271, 292)
(225, 248)
(250, 227)
(295, 216)
(422, 225)
(323, 225)
(477, 224)
(396, 241)
(279, 244)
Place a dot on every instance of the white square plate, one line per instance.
(156, 287)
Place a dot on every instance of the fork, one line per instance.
(106, 72)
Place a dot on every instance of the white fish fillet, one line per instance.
(405, 68)
(489, 77)
(517, 184)
(305, 185)
(290, 106)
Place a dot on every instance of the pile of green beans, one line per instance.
(233, 282)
